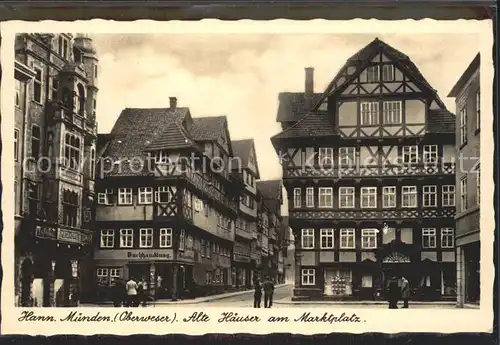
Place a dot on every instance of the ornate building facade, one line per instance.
(467, 94)
(368, 165)
(54, 151)
(167, 203)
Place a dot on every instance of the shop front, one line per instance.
(165, 277)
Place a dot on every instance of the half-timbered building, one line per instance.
(56, 77)
(467, 93)
(270, 224)
(368, 166)
(247, 256)
(167, 203)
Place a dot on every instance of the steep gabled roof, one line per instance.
(441, 121)
(319, 123)
(473, 66)
(270, 191)
(139, 130)
(208, 128)
(314, 124)
(242, 149)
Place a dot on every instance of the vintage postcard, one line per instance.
(247, 177)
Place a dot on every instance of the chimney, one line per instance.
(173, 103)
(309, 90)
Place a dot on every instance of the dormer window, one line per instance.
(372, 74)
(388, 73)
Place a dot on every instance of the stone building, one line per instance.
(468, 108)
(54, 151)
(368, 165)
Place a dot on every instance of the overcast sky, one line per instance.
(240, 76)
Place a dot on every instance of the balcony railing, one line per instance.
(243, 232)
(63, 113)
(183, 170)
(396, 170)
(416, 213)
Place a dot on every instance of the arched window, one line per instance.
(81, 99)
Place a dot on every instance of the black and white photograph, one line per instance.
(326, 173)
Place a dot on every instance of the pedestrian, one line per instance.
(158, 287)
(119, 293)
(268, 287)
(131, 287)
(257, 296)
(405, 291)
(393, 292)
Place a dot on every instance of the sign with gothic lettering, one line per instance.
(396, 258)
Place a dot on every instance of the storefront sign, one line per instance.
(396, 258)
(134, 254)
(45, 232)
(149, 255)
(74, 236)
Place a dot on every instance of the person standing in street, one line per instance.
(143, 292)
(257, 296)
(119, 293)
(268, 287)
(131, 287)
(405, 291)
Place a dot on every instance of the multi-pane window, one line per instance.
(369, 238)
(104, 198)
(326, 236)
(124, 196)
(307, 238)
(297, 197)
(429, 196)
(388, 73)
(35, 142)
(70, 207)
(430, 154)
(347, 156)
(308, 276)
(18, 86)
(325, 156)
(164, 194)
(16, 144)
(146, 238)
(114, 274)
(368, 197)
(107, 238)
(347, 240)
(409, 196)
(372, 74)
(310, 197)
(37, 85)
(325, 196)
(463, 125)
(166, 238)
(448, 195)
(369, 113)
(346, 197)
(410, 154)
(72, 147)
(463, 194)
(145, 195)
(392, 112)
(102, 276)
(447, 238)
(182, 240)
(478, 110)
(389, 197)
(429, 238)
(126, 238)
(62, 47)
